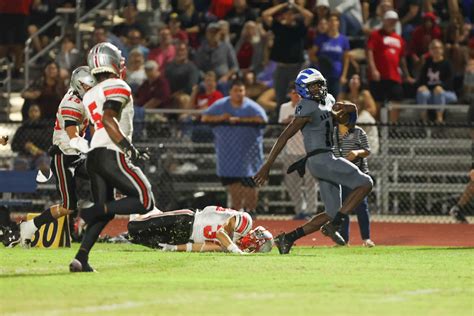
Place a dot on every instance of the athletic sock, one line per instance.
(338, 219)
(88, 214)
(296, 234)
(128, 205)
(44, 218)
(82, 255)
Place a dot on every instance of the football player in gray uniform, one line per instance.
(314, 116)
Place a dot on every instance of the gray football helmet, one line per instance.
(105, 58)
(82, 76)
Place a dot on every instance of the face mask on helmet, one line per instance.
(310, 84)
(82, 80)
(105, 58)
(258, 240)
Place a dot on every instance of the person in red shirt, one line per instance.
(204, 98)
(155, 91)
(422, 36)
(166, 51)
(385, 53)
(14, 23)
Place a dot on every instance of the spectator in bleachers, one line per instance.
(129, 13)
(47, 92)
(135, 41)
(302, 190)
(178, 34)
(435, 84)
(239, 149)
(12, 39)
(135, 70)
(385, 54)
(366, 108)
(165, 52)
(456, 52)
(31, 142)
(259, 92)
(204, 95)
(332, 55)
(237, 17)
(422, 36)
(468, 84)
(68, 58)
(410, 12)
(155, 91)
(288, 47)
(216, 55)
(102, 35)
(375, 23)
(322, 10)
(224, 32)
(350, 14)
(191, 21)
(181, 73)
(250, 47)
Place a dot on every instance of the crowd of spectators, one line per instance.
(265, 43)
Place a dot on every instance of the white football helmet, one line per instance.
(82, 76)
(105, 58)
(257, 240)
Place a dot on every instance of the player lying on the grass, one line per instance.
(212, 229)
(68, 145)
(315, 116)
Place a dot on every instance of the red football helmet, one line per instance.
(257, 240)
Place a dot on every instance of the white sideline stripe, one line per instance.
(406, 295)
(168, 301)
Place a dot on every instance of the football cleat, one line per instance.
(330, 231)
(77, 266)
(27, 231)
(456, 213)
(283, 244)
(11, 237)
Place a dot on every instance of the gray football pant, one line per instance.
(333, 172)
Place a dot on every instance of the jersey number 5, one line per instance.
(209, 233)
(96, 117)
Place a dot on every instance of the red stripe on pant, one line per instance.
(62, 181)
(137, 179)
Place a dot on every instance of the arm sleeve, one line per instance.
(73, 110)
(231, 58)
(305, 108)
(243, 223)
(215, 109)
(118, 91)
(257, 110)
(345, 5)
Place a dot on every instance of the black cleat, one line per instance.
(283, 244)
(457, 214)
(10, 237)
(77, 266)
(330, 231)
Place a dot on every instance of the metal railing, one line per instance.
(58, 20)
(81, 19)
(6, 83)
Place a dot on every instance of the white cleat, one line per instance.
(368, 243)
(27, 231)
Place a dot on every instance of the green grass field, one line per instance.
(133, 280)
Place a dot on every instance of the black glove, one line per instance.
(132, 152)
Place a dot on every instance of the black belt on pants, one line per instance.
(300, 165)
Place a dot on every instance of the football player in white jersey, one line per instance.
(68, 144)
(212, 229)
(109, 107)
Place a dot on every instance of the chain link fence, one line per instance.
(419, 169)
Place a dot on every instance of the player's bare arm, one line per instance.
(207, 246)
(224, 233)
(215, 118)
(295, 125)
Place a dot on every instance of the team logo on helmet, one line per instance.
(80, 77)
(257, 240)
(105, 58)
(311, 84)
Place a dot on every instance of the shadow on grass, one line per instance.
(40, 274)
